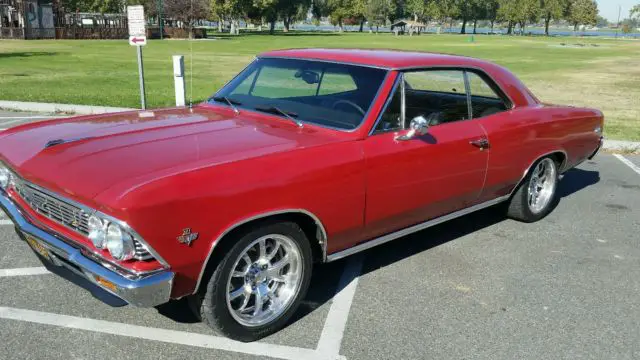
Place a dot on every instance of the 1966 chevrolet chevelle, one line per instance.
(306, 156)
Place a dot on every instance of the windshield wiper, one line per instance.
(276, 110)
(232, 103)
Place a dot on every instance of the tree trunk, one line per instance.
(475, 26)
(464, 26)
(523, 25)
(286, 23)
(510, 28)
(232, 29)
(340, 28)
(377, 28)
(361, 24)
(220, 23)
(547, 20)
(493, 22)
(272, 26)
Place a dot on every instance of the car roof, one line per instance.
(383, 58)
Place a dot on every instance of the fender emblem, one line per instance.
(187, 237)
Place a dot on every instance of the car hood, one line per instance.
(85, 156)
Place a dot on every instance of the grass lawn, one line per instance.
(604, 73)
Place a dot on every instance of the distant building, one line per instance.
(27, 19)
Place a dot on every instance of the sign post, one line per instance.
(138, 38)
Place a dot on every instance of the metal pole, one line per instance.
(178, 79)
(160, 22)
(143, 100)
(619, 13)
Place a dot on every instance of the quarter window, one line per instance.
(485, 100)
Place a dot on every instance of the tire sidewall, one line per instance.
(214, 305)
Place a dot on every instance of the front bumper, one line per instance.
(144, 291)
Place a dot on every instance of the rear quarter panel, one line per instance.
(521, 136)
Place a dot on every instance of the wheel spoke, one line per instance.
(257, 310)
(240, 274)
(247, 259)
(245, 302)
(274, 270)
(273, 252)
(262, 245)
(237, 293)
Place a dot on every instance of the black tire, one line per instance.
(210, 304)
(519, 207)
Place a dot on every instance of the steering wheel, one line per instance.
(351, 103)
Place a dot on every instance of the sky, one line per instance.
(609, 8)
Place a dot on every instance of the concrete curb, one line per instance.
(53, 108)
(621, 145)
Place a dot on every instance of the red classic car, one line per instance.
(306, 156)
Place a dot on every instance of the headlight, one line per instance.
(120, 243)
(5, 177)
(97, 232)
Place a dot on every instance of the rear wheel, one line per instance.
(259, 284)
(536, 197)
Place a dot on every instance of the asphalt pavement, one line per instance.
(478, 287)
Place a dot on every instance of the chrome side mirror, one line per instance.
(418, 126)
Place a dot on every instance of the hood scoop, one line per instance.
(55, 142)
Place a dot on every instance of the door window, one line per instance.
(438, 95)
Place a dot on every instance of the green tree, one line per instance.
(552, 10)
(583, 12)
(378, 11)
(635, 12)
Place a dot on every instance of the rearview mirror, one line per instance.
(419, 126)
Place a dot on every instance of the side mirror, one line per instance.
(418, 126)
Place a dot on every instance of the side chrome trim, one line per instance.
(404, 232)
(321, 229)
(561, 169)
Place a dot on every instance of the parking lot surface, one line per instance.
(478, 287)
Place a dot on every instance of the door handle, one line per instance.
(480, 143)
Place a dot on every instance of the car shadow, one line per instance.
(326, 277)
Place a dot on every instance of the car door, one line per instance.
(412, 181)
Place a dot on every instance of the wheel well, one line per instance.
(560, 158)
(311, 228)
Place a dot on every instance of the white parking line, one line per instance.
(30, 117)
(328, 346)
(628, 162)
(5, 222)
(334, 327)
(164, 335)
(24, 271)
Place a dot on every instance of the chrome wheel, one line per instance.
(264, 280)
(542, 185)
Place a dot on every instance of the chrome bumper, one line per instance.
(598, 148)
(146, 291)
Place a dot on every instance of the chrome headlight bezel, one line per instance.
(119, 243)
(6, 176)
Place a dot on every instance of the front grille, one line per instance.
(64, 213)
(61, 212)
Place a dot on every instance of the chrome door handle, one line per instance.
(480, 143)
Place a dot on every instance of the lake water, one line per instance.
(553, 32)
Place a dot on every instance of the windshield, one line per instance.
(306, 91)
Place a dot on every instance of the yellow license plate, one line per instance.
(37, 246)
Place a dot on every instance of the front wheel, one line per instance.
(259, 284)
(536, 197)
